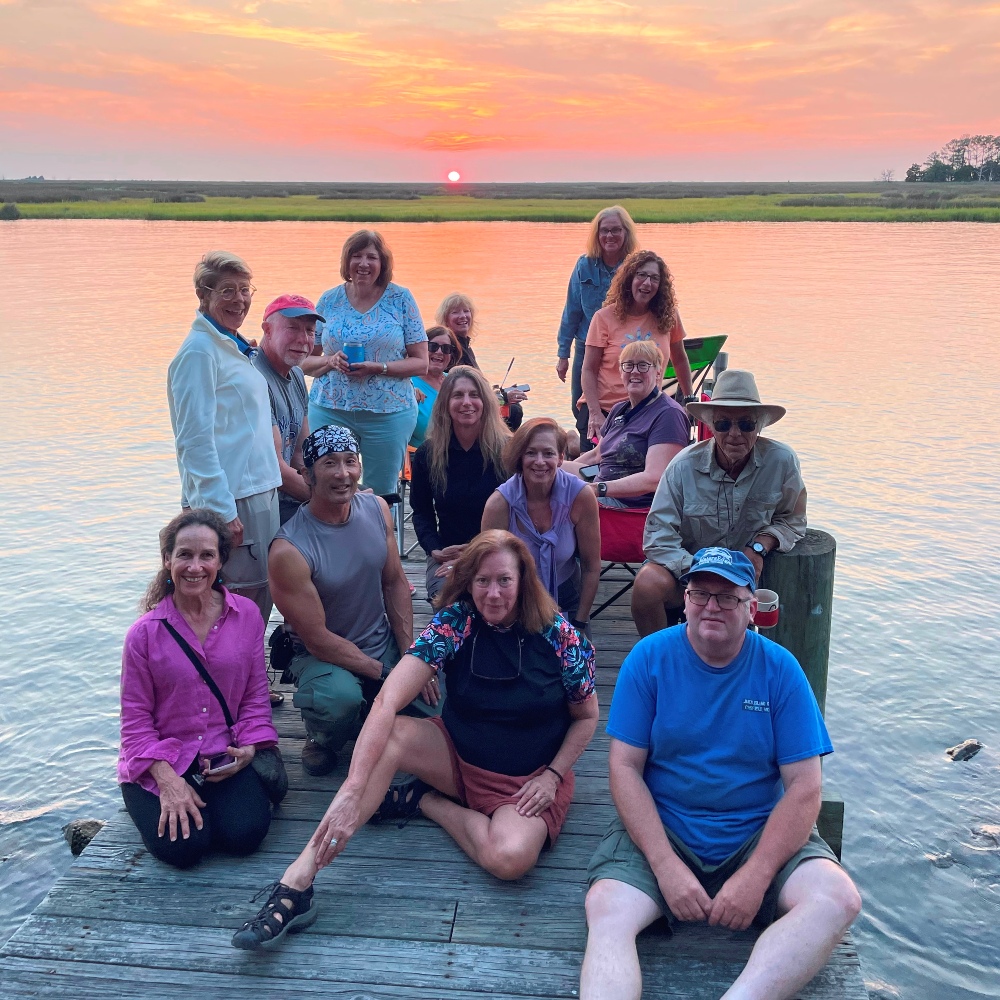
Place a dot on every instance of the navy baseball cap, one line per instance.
(727, 563)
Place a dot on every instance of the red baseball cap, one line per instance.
(292, 306)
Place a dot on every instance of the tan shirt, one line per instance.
(697, 504)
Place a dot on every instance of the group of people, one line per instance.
(716, 738)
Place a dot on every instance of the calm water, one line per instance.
(881, 340)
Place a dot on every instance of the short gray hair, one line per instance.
(213, 266)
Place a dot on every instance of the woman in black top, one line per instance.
(455, 470)
(496, 769)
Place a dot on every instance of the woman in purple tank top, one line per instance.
(553, 513)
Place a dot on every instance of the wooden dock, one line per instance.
(403, 914)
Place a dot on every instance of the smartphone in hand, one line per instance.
(589, 472)
(220, 762)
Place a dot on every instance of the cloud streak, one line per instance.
(562, 83)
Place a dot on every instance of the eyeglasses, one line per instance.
(635, 366)
(745, 424)
(433, 348)
(614, 231)
(229, 292)
(726, 602)
(642, 277)
(496, 668)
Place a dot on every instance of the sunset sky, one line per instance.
(496, 89)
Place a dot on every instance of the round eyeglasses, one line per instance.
(229, 292)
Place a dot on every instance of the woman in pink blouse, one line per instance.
(184, 772)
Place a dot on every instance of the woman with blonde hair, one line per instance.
(640, 435)
(553, 513)
(456, 469)
(641, 305)
(611, 239)
(495, 770)
(458, 313)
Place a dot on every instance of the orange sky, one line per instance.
(498, 89)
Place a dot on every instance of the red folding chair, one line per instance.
(621, 545)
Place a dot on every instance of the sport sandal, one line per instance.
(402, 800)
(286, 910)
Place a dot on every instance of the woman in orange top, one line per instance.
(641, 305)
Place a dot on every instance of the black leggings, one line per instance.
(235, 819)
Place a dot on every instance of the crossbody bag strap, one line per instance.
(200, 667)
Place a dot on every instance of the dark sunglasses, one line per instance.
(433, 348)
(745, 424)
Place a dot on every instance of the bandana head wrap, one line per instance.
(328, 439)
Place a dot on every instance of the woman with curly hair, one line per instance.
(456, 470)
(495, 770)
(641, 305)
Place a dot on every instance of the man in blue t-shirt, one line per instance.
(715, 773)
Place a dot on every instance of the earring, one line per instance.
(170, 582)
(218, 579)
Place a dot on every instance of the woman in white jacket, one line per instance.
(221, 415)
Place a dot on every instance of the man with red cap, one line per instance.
(289, 329)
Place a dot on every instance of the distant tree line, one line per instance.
(971, 158)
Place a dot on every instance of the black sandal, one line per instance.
(402, 800)
(286, 910)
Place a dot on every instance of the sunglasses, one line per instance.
(433, 348)
(745, 424)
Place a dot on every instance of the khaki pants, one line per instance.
(245, 571)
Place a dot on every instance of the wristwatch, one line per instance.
(602, 489)
(759, 549)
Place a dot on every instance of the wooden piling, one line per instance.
(803, 581)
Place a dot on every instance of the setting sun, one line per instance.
(454, 175)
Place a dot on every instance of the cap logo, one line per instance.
(718, 555)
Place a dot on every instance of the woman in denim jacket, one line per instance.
(611, 239)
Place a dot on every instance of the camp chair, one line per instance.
(701, 352)
(397, 505)
(621, 545)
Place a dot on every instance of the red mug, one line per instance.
(766, 615)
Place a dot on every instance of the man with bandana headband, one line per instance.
(336, 576)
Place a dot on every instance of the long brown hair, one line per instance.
(664, 303)
(161, 584)
(493, 432)
(535, 607)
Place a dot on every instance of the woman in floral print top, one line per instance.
(495, 770)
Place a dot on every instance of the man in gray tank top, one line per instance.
(336, 576)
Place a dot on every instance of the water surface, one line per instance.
(882, 341)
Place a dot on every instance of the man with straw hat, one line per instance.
(737, 490)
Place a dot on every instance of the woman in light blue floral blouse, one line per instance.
(378, 324)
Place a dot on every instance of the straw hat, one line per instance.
(735, 389)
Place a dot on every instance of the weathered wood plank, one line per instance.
(382, 963)
(56, 980)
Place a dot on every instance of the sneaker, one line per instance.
(317, 760)
(286, 910)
